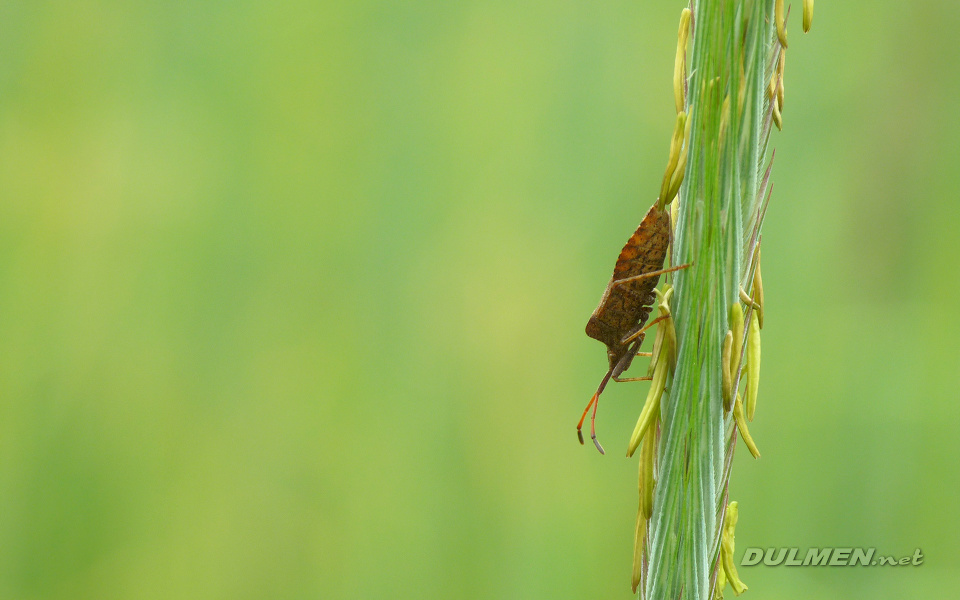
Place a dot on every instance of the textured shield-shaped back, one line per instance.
(625, 306)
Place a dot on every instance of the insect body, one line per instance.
(619, 320)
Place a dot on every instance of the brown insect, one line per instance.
(619, 320)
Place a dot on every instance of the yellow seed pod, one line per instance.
(657, 349)
(777, 118)
(758, 289)
(727, 378)
(670, 332)
(647, 458)
(753, 368)
(663, 307)
(676, 180)
(681, 169)
(639, 540)
(727, 549)
(736, 326)
(807, 15)
(730, 570)
(772, 86)
(669, 349)
(679, 63)
(781, 25)
(651, 408)
(780, 95)
(778, 78)
(742, 426)
(676, 144)
(730, 518)
(721, 582)
(664, 331)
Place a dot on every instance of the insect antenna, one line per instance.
(594, 402)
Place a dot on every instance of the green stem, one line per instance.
(717, 224)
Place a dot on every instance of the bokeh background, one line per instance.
(292, 298)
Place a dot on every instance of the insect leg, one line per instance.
(638, 335)
(625, 362)
(620, 367)
(593, 426)
(640, 330)
(650, 274)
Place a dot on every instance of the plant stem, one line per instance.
(717, 229)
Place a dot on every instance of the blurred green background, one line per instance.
(292, 298)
